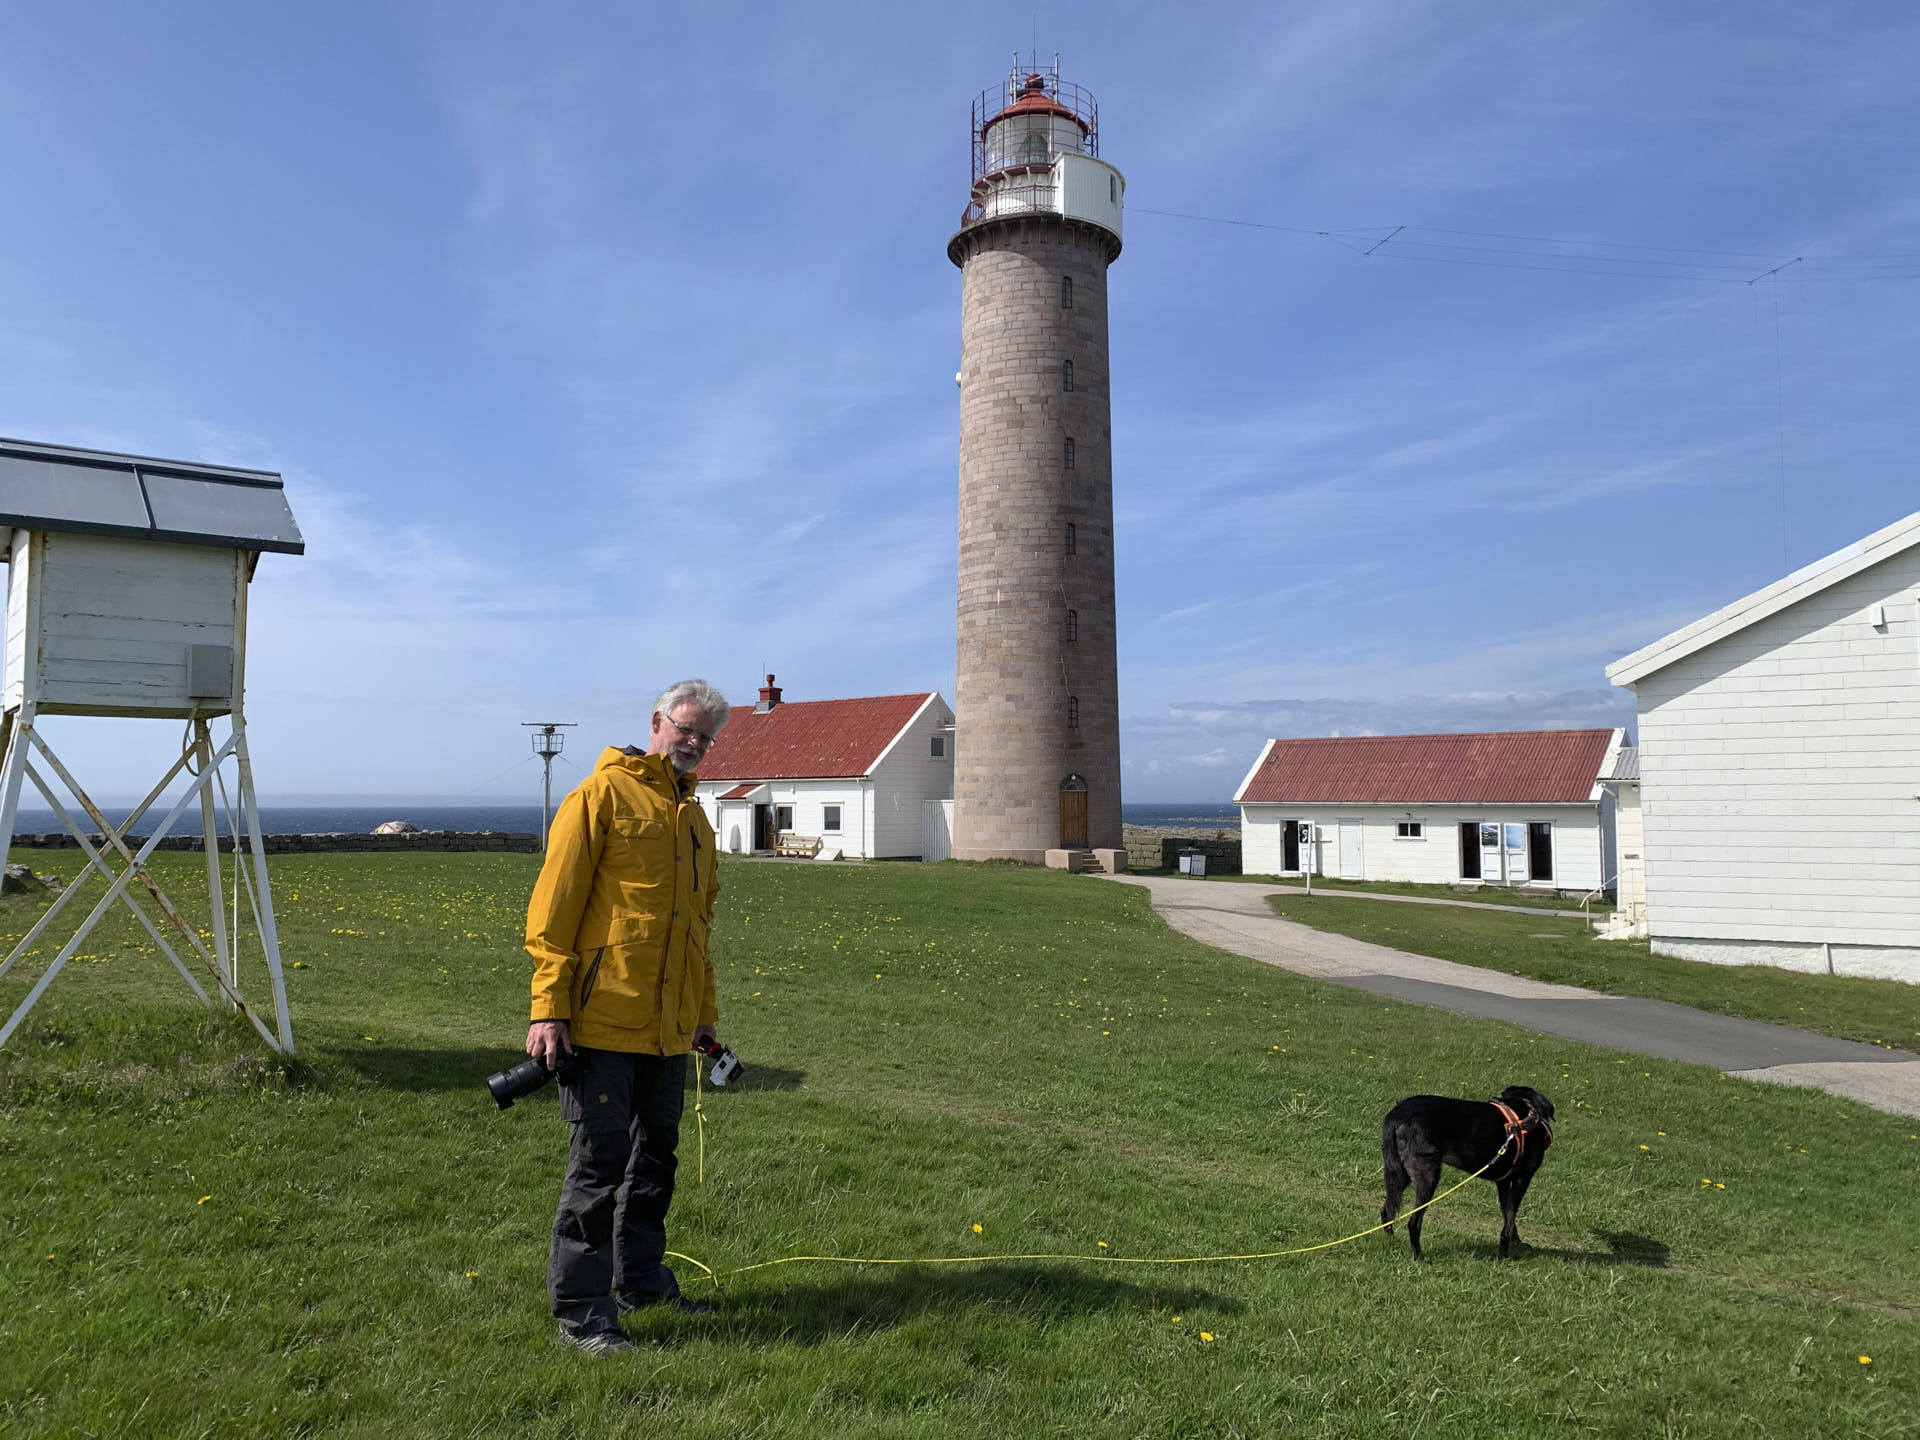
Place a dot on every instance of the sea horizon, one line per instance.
(328, 818)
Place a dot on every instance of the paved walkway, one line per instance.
(1236, 917)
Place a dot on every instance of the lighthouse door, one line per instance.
(1073, 813)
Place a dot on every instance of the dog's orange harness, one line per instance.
(1516, 1137)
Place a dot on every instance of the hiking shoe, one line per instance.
(598, 1342)
(627, 1304)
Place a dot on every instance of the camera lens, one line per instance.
(522, 1080)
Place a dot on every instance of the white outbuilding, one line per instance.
(1780, 770)
(853, 774)
(1524, 807)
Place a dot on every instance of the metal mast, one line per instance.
(547, 743)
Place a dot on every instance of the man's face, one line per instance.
(682, 736)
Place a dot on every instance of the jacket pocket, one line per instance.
(592, 975)
(639, 853)
(626, 987)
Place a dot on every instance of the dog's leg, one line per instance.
(1426, 1180)
(1511, 1193)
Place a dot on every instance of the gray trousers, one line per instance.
(609, 1235)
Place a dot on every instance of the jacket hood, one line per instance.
(614, 757)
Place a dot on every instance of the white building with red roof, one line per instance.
(1780, 770)
(1524, 807)
(853, 774)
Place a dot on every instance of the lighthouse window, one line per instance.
(1073, 712)
(1072, 542)
(1066, 292)
(1066, 374)
(1113, 188)
(1073, 624)
(1066, 454)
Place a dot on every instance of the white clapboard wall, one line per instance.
(104, 626)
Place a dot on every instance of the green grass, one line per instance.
(200, 1242)
(1490, 895)
(1564, 951)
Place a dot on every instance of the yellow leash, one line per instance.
(700, 1118)
(718, 1275)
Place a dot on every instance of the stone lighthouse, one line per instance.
(1037, 724)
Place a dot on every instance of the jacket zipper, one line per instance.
(593, 974)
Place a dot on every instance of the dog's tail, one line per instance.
(1395, 1171)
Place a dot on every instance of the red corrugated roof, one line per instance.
(808, 739)
(1518, 767)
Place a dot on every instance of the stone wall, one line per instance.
(329, 844)
(1223, 856)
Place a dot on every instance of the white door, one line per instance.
(1351, 867)
(1491, 871)
(1516, 848)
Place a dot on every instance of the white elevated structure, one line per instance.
(127, 596)
(1780, 770)
(1036, 152)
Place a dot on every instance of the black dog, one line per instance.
(1423, 1132)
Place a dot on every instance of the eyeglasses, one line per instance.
(688, 733)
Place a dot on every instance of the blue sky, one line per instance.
(600, 344)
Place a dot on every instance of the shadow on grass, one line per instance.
(768, 1077)
(1623, 1248)
(401, 1068)
(827, 1309)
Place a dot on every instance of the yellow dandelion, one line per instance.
(1864, 1359)
(1646, 1147)
(1176, 1319)
(978, 1230)
(1101, 1243)
(203, 1199)
(1206, 1337)
(473, 1274)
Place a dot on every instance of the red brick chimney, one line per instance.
(769, 697)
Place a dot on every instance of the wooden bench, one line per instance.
(804, 847)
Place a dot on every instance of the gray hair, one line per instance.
(710, 701)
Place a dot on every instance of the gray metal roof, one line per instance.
(94, 492)
(1626, 764)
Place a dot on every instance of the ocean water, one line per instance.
(321, 819)
(515, 819)
(1209, 814)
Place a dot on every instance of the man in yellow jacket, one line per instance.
(622, 989)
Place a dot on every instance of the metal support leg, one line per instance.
(269, 931)
(209, 828)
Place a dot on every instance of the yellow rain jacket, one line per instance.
(619, 919)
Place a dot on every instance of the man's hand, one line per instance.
(703, 1037)
(547, 1042)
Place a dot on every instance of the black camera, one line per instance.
(521, 1081)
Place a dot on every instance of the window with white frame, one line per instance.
(1410, 829)
(830, 818)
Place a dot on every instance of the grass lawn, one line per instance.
(944, 1060)
(1487, 895)
(1880, 1012)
